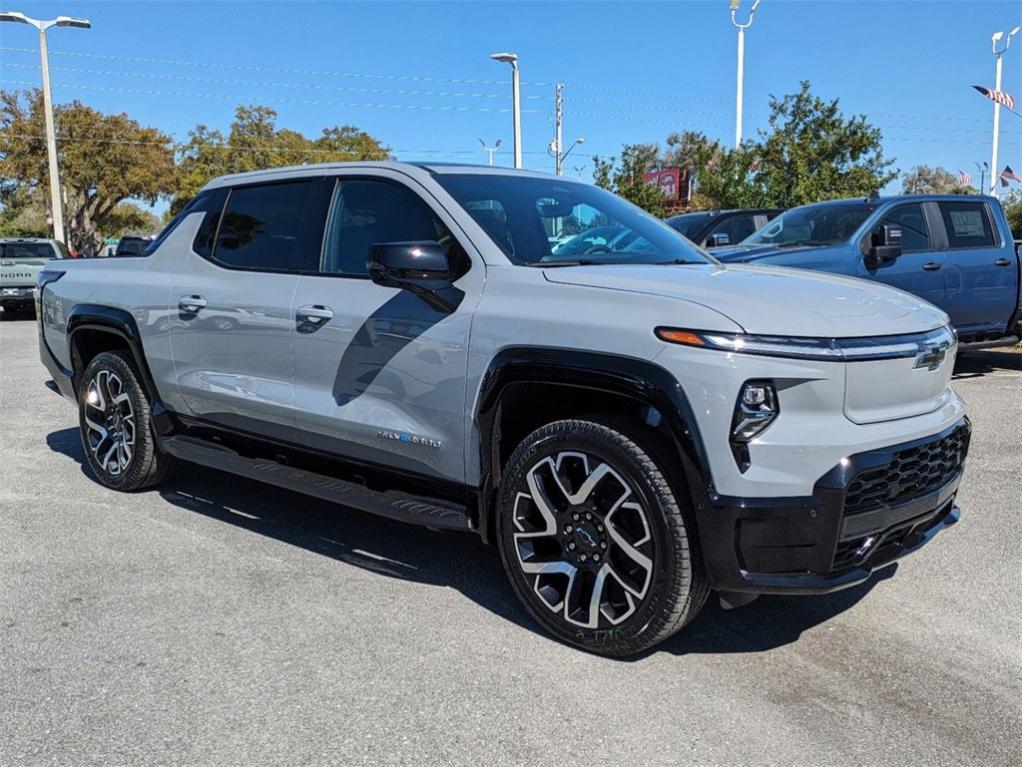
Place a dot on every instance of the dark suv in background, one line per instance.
(715, 228)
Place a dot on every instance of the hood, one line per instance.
(770, 300)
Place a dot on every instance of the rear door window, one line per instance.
(269, 228)
(737, 228)
(968, 225)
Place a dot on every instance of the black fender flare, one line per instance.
(118, 322)
(632, 377)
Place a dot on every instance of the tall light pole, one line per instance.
(516, 97)
(998, 55)
(982, 168)
(490, 150)
(741, 63)
(57, 210)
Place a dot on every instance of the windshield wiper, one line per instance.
(565, 262)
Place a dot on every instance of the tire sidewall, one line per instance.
(652, 612)
(139, 466)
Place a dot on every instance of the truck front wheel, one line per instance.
(594, 541)
(114, 418)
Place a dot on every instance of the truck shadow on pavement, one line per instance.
(976, 364)
(456, 560)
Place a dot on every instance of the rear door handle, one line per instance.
(314, 314)
(931, 266)
(191, 304)
(1002, 262)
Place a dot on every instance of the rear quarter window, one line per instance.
(968, 225)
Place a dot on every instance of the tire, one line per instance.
(593, 538)
(116, 426)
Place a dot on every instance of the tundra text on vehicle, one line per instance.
(632, 428)
(955, 251)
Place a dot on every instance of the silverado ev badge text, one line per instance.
(931, 357)
(411, 439)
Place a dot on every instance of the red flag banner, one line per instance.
(668, 181)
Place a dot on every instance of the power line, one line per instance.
(272, 84)
(274, 100)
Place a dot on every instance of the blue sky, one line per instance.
(634, 71)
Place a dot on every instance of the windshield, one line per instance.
(689, 223)
(812, 225)
(552, 222)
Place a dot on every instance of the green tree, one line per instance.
(1013, 210)
(923, 179)
(254, 141)
(812, 152)
(105, 160)
(626, 177)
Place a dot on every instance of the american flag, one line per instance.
(1001, 97)
(1009, 175)
(964, 179)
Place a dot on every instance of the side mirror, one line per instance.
(719, 239)
(886, 245)
(423, 268)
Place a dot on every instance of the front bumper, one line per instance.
(17, 298)
(870, 510)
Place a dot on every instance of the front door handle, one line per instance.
(191, 304)
(932, 266)
(314, 315)
(1002, 262)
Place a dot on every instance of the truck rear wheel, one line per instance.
(116, 429)
(594, 541)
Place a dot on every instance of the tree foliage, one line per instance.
(811, 152)
(923, 179)
(105, 159)
(1013, 210)
(254, 141)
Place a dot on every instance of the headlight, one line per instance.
(755, 410)
(822, 349)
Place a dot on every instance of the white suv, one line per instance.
(632, 427)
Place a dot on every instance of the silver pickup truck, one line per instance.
(632, 428)
(21, 261)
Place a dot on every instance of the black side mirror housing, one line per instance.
(719, 239)
(422, 267)
(886, 244)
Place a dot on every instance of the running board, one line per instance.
(403, 507)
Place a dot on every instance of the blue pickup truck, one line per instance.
(955, 251)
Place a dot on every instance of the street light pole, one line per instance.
(998, 55)
(490, 150)
(516, 98)
(982, 168)
(56, 209)
(741, 64)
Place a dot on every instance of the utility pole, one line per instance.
(556, 148)
(998, 55)
(982, 168)
(558, 125)
(57, 210)
(741, 64)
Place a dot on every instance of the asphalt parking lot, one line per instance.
(215, 622)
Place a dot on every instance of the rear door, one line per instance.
(232, 305)
(380, 375)
(920, 267)
(981, 272)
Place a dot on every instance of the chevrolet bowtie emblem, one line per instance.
(931, 357)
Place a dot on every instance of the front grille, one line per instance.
(912, 472)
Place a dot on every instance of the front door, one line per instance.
(232, 307)
(920, 267)
(379, 374)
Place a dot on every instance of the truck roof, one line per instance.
(410, 168)
(904, 197)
